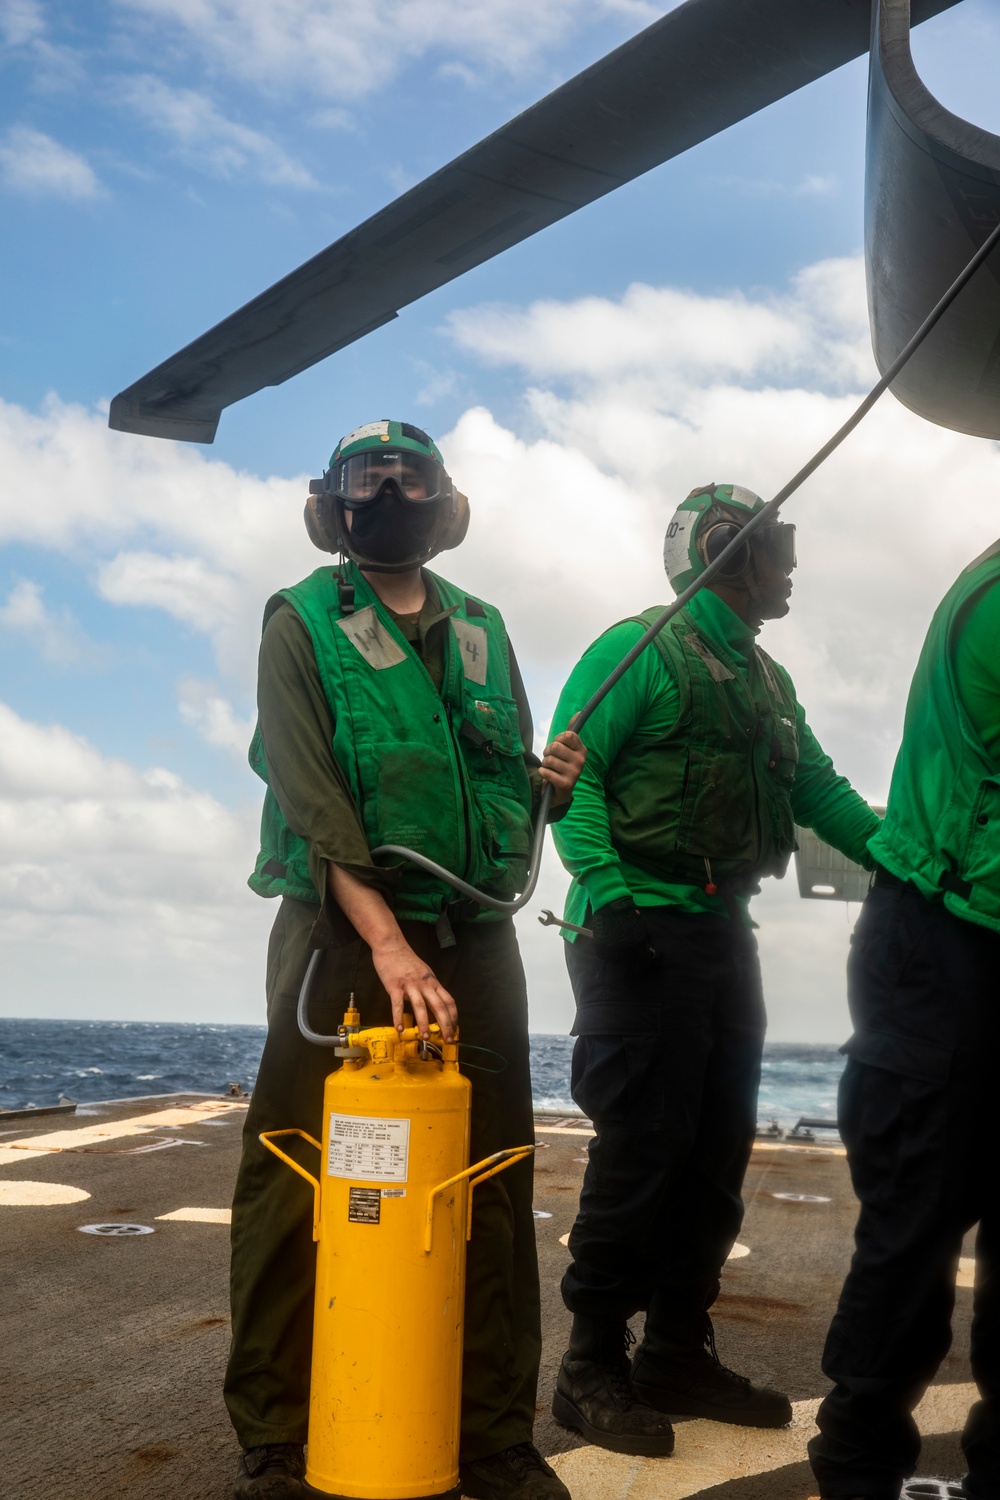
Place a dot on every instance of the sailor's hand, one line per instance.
(412, 985)
(562, 763)
(621, 936)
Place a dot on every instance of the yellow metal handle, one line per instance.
(266, 1137)
(498, 1162)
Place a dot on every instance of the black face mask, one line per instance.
(391, 531)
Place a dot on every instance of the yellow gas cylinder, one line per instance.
(392, 1215)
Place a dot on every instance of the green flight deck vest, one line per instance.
(710, 800)
(942, 826)
(443, 774)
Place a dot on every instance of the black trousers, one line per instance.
(667, 1066)
(917, 1114)
(273, 1255)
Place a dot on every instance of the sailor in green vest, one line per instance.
(391, 710)
(699, 764)
(917, 1100)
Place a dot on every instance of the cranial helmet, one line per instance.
(707, 521)
(381, 461)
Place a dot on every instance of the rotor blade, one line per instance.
(932, 196)
(700, 68)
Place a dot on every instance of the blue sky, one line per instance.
(163, 160)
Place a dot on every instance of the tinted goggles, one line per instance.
(358, 480)
(776, 540)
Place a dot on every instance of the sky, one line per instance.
(161, 161)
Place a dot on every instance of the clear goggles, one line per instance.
(359, 480)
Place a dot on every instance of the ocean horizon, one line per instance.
(88, 1061)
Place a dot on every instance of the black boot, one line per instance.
(517, 1473)
(272, 1472)
(594, 1393)
(695, 1383)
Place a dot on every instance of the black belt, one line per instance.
(949, 883)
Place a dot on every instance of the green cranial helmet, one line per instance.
(378, 437)
(706, 522)
(382, 460)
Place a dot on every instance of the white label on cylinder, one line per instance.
(367, 1148)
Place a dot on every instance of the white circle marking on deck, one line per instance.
(539, 1213)
(800, 1197)
(564, 1239)
(738, 1251)
(116, 1230)
(39, 1194)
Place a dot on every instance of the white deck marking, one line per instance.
(710, 1453)
(561, 1130)
(38, 1194)
(805, 1151)
(12, 1153)
(198, 1216)
(966, 1271)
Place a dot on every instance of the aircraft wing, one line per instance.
(700, 68)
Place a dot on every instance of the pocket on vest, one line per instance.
(414, 802)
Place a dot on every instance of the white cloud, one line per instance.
(343, 50)
(162, 525)
(120, 890)
(208, 711)
(21, 22)
(646, 410)
(56, 635)
(669, 340)
(98, 831)
(186, 587)
(207, 139)
(31, 162)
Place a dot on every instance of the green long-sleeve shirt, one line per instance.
(643, 706)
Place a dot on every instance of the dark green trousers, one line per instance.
(273, 1254)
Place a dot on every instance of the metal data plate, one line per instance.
(824, 874)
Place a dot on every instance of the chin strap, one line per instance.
(345, 590)
(750, 581)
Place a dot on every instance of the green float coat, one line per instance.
(440, 773)
(943, 821)
(673, 778)
(710, 799)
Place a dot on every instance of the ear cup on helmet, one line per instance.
(321, 523)
(453, 531)
(716, 540)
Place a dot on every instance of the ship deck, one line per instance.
(114, 1346)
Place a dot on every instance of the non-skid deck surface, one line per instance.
(113, 1347)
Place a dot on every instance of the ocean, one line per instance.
(89, 1060)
